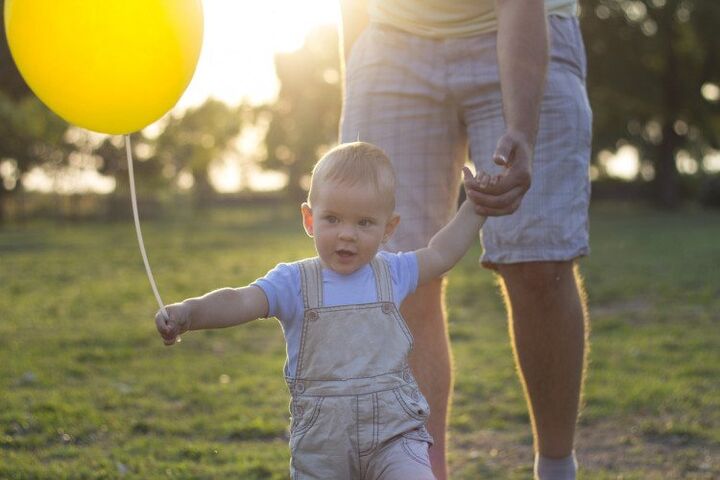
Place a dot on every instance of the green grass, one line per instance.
(87, 391)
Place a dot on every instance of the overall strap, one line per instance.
(311, 282)
(383, 282)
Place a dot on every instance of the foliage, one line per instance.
(30, 134)
(180, 155)
(10, 80)
(191, 142)
(654, 83)
(653, 75)
(304, 120)
(90, 392)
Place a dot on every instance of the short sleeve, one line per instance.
(281, 286)
(403, 271)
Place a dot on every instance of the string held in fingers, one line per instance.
(136, 217)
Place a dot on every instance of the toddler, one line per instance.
(356, 409)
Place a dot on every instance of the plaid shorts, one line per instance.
(429, 102)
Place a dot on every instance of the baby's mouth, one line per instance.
(344, 253)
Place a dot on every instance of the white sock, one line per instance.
(555, 468)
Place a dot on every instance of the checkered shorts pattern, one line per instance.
(429, 103)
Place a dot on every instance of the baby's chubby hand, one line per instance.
(175, 323)
(480, 181)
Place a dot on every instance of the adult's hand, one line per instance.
(501, 194)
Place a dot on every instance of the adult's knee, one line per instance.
(538, 284)
(537, 275)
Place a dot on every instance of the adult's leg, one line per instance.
(548, 327)
(531, 247)
(431, 362)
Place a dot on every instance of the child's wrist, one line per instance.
(188, 307)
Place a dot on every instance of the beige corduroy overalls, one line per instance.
(356, 409)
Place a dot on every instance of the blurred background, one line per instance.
(87, 391)
(265, 100)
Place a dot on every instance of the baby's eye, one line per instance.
(365, 222)
(331, 219)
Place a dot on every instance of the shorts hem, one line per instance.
(491, 262)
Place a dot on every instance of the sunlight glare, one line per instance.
(685, 163)
(711, 162)
(241, 38)
(710, 91)
(624, 164)
(72, 180)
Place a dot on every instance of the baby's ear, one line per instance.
(390, 227)
(307, 218)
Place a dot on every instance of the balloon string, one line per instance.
(133, 197)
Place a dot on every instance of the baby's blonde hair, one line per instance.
(353, 163)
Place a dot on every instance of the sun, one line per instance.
(240, 40)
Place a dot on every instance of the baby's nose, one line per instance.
(348, 232)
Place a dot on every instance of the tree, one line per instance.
(180, 154)
(191, 142)
(30, 134)
(304, 120)
(11, 83)
(653, 81)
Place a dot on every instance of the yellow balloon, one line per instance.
(112, 66)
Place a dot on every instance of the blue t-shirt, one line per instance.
(282, 288)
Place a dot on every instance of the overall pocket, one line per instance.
(412, 402)
(304, 413)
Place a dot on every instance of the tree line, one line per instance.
(653, 81)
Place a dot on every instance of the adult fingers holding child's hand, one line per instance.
(481, 181)
(502, 194)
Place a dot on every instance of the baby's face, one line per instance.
(348, 224)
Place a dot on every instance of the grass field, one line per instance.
(88, 391)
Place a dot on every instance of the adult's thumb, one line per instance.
(504, 151)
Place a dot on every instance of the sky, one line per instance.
(240, 39)
(236, 64)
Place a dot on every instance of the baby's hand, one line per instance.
(502, 194)
(174, 324)
(480, 181)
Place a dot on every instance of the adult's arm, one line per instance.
(355, 18)
(522, 52)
